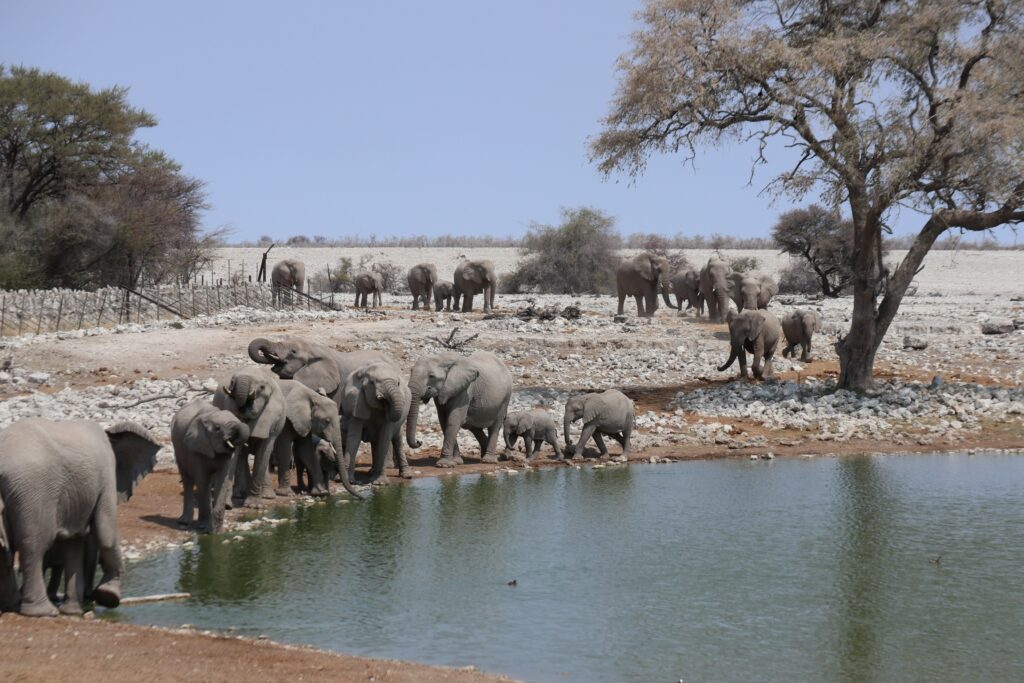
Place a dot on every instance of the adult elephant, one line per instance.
(375, 406)
(752, 290)
(319, 367)
(368, 283)
(642, 277)
(715, 287)
(799, 328)
(757, 332)
(312, 438)
(287, 275)
(468, 391)
(610, 413)
(60, 483)
(686, 286)
(422, 278)
(472, 278)
(444, 292)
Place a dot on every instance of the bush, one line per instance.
(799, 278)
(744, 264)
(576, 256)
(825, 242)
(391, 275)
(338, 278)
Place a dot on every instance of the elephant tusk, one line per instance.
(229, 444)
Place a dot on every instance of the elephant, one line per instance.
(313, 437)
(422, 279)
(254, 396)
(752, 290)
(609, 413)
(715, 287)
(368, 282)
(536, 427)
(443, 291)
(375, 406)
(60, 483)
(468, 391)
(757, 331)
(208, 442)
(472, 278)
(686, 285)
(287, 275)
(641, 277)
(319, 367)
(799, 328)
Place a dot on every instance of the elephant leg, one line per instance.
(742, 357)
(467, 302)
(188, 500)
(805, 354)
(639, 304)
(54, 562)
(622, 302)
(651, 303)
(353, 437)
(530, 452)
(9, 595)
(104, 526)
(601, 447)
(623, 438)
(415, 301)
(74, 568)
(789, 351)
(34, 600)
(481, 438)
(205, 502)
(379, 447)
(306, 457)
(493, 434)
(398, 453)
(552, 438)
(586, 434)
(242, 479)
(283, 447)
(488, 299)
(768, 369)
(448, 304)
(454, 419)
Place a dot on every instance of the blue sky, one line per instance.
(387, 117)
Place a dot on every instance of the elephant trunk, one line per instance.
(239, 435)
(758, 354)
(732, 357)
(240, 391)
(258, 350)
(394, 399)
(668, 301)
(722, 297)
(414, 415)
(342, 469)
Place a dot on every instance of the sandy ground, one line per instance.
(685, 409)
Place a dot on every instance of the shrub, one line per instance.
(391, 275)
(338, 278)
(825, 242)
(799, 278)
(576, 256)
(744, 264)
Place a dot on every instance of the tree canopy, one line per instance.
(890, 103)
(823, 239)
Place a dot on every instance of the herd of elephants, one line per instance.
(306, 408)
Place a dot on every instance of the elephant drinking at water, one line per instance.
(468, 391)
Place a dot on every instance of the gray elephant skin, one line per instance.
(608, 413)
(421, 279)
(286, 276)
(371, 284)
(715, 287)
(375, 406)
(799, 328)
(60, 483)
(642, 277)
(254, 396)
(752, 290)
(757, 332)
(207, 444)
(468, 391)
(536, 427)
(319, 367)
(472, 278)
(444, 291)
(686, 286)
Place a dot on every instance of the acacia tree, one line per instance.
(890, 103)
(823, 239)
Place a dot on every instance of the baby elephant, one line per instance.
(207, 444)
(757, 331)
(609, 413)
(799, 327)
(443, 293)
(368, 282)
(536, 427)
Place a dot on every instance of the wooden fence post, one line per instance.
(42, 307)
(99, 316)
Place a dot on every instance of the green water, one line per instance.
(790, 570)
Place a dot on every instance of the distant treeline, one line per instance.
(636, 240)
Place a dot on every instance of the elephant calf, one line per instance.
(368, 282)
(443, 292)
(686, 285)
(799, 328)
(609, 413)
(207, 444)
(536, 427)
(757, 332)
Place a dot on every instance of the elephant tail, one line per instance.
(732, 357)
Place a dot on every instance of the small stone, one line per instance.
(915, 343)
(753, 456)
(38, 377)
(997, 326)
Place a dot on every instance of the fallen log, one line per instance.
(160, 597)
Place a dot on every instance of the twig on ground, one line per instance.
(451, 343)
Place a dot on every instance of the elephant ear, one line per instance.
(135, 452)
(223, 401)
(299, 409)
(645, 267)
(360, 384)
(591, 410)
(735, 280)
(755, 323)
(459, 377)
(524, 423)
(322, 376)
(272, 417)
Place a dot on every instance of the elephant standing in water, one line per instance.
(686, 285)
(207, 445)
(444, 291)
(536, 427)
(752, 290)
(716, 288)
(60, 483)
(422, 279)
(375, 406)
(642, 277)
(472, 278)
(757, 332)
(610, 413)
(799, 328)
(368, 282)
(468, 391)
(287, 275)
